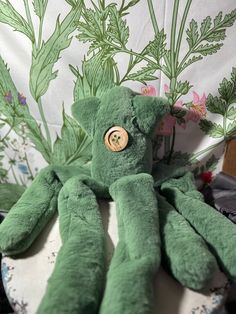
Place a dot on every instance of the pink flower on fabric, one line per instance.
(179, 104)
(166, 126)
(148, 90)
(198, 108)
(166, 88)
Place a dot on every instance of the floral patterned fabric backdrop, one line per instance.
(53, 53)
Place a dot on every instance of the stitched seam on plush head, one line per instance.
(134, 116)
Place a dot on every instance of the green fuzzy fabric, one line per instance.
(121, 107)
(137, 257)
(79, 273)
(9, 195)
(30, 214)
(217, 230)
(160, 216)
(195, 265)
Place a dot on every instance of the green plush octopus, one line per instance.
(159, 211)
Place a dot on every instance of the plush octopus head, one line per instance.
(121, 124)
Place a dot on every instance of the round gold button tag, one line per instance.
(116, 139)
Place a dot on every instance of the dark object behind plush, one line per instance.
(122, 170)
(221, 194)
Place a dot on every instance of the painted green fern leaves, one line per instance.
(18, 114)
(223, 106)
(95, 78)
(40, 7)
(44, 59)
(103, 28)
(207, 38)
(8, 15)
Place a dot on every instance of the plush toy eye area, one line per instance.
(116, 139)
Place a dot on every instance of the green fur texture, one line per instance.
(137, 257)
(158, 211)
(216, 229)
(195, 265)
(121, 107)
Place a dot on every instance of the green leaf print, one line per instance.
(125, 6)
(207, 49)
(223, 105)
(143, 75)
(217, 36)
(40, 7)
(74, 146)
(231, 114)
(157, 47)
(102, 26)
(6, 83)
(205, 26)
(96, 78)
(41, 72)
(10, 16)
(183, 87)
(72, 2)
(218, 19)
(226, 89)
(192, 33)
(227, 92)
(227, 21)
(191, 60)
(231, 128)
(216, 105)
(92, 29)
(207, 31)
(211, 128)
(17, 113)
(233, 74)
(117, 28)
(206, 39)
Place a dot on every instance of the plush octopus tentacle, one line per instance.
(196, 266)
(79, 272)
(35, 208)
(137, 257)
(31, 213)
(216, 229)
(124, 166)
